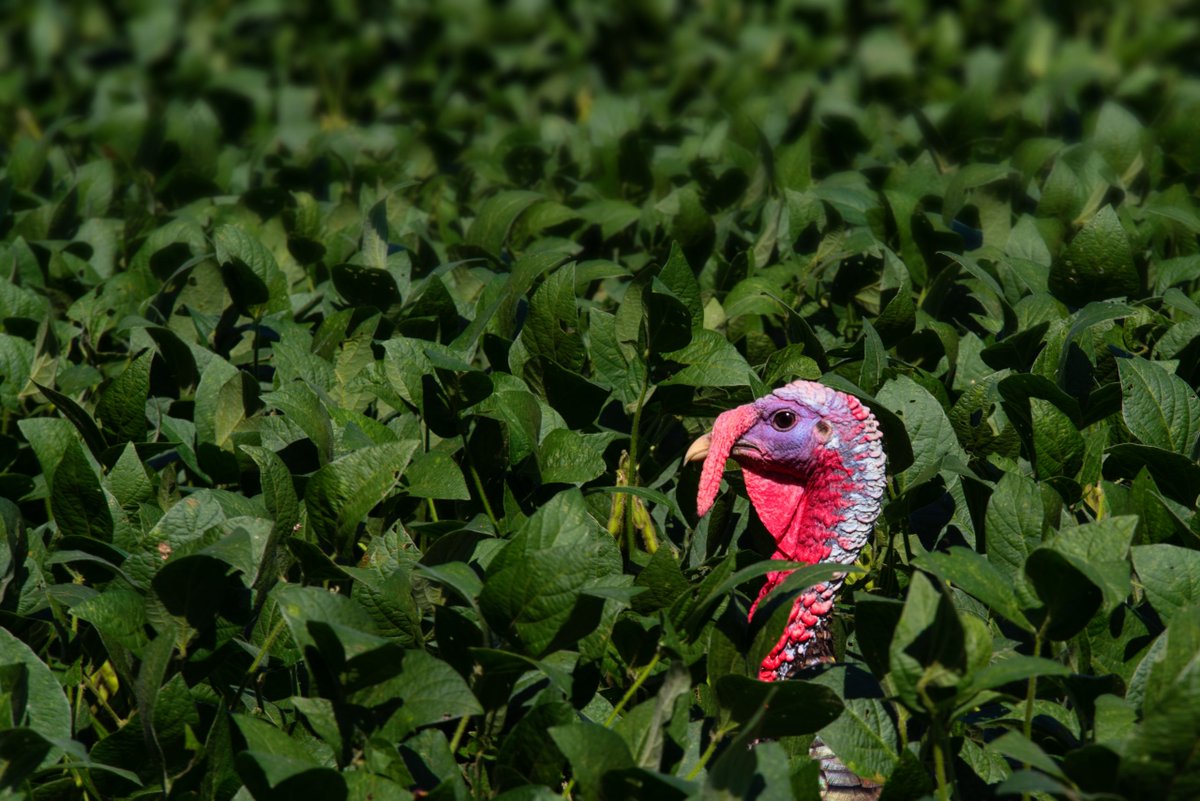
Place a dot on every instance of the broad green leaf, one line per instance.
(128, 480)
(1097, 264)
(642, 727)
(568, 457)
(251, 274)
(789, 708)
(300, 403)
(709, 360)
(1118, 137)
(1170, 576)
(1158, 406)
(1070, 596)
(122, 406)
(46, 707)
(929, 429)
(593, 751)
(1014, 669)
(678, 277)
(340, 494)
(118, 613)
(77, 501)
(436, 475)
(432, 692)
(1160, 758)
(496, 217)
(1018, 747)
(976, 575)
(16, 365)
(874, 358)
(1057, 444)
(926, 656)
(274, 765)
(535, 583)
(50, 438)
(1100, 550)
(552, 329)
(387, 596)
(863, 736)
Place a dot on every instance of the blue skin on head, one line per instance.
(784, 437)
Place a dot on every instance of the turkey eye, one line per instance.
(783, 420)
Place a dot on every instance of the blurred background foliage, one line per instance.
(349, 352)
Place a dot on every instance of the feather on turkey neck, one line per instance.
(813, 466)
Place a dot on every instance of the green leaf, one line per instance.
(1170, 576)
(568, 457)
(927, 653)
(46, 708)
(1117, 136)
(251, 274)
(276, 766)
(1017, 747)
(1158, 406)
(1100, 550)
(300, 403)
(709, 360)
(874, 359)
(122, 406)
(1177, 475)
(593, 751)
(496, 217)
(436, 475)
(340, 494)
(863, 736)
(80, 418)
(552, 329)
(365, 286)
(929, 429)
(1097, 264)
(76, 500)
(789, 708)
(50, 438)
(16, 365)
(1057, 444)
(118, 613)
(678, 277)
(533, 590)
(976, 575)
(1014, 669)
(387, 596)
(432, 692)
(1070, 597)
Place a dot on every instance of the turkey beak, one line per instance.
(698, 449)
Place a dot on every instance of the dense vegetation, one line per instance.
(349, 353)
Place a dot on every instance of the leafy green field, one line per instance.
(349, 355)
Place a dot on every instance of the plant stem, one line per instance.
(483, 499)
(718, 736)
(633, 688)
(459, 731)
(1031, 690)
(1031, 693)
(939, 767)
(637, 425)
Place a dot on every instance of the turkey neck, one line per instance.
(823, 513)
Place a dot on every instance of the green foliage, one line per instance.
(348, 356)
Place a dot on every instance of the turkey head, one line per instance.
(813, 465)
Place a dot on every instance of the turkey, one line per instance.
(813, 463)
